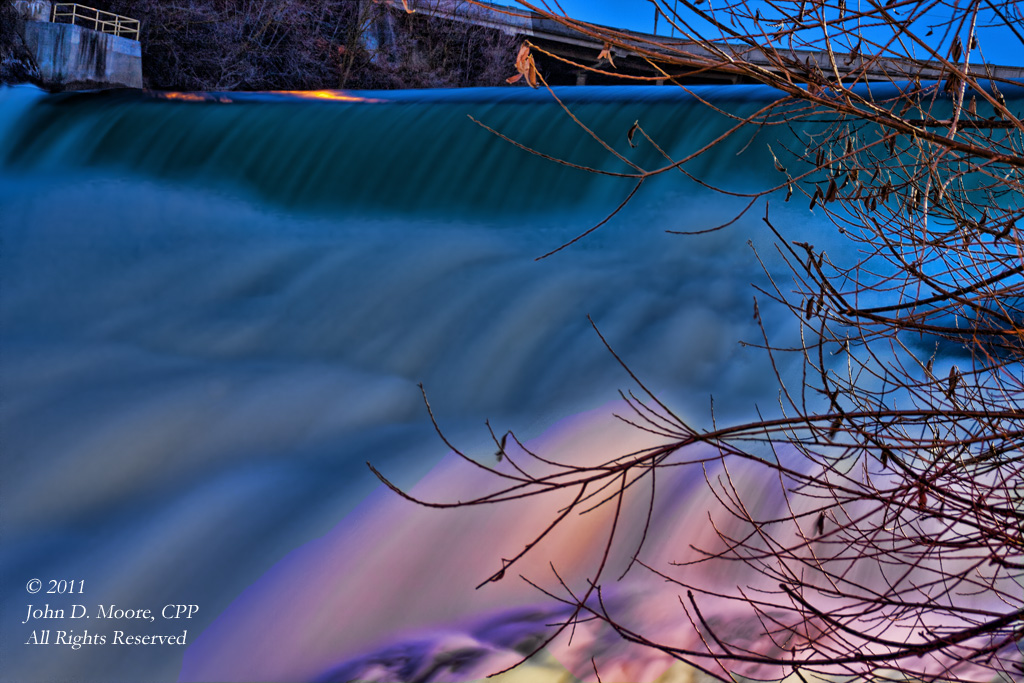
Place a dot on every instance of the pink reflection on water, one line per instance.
(389, 593)
(394, 570)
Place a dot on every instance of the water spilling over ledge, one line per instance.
(217, 308)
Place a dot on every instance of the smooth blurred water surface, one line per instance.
(214, 313)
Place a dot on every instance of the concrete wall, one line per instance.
(75, 58)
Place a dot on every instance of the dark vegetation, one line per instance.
(15, 62)
(298, 45)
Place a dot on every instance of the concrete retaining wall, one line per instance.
(75, 58)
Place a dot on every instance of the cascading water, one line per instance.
(215, 312)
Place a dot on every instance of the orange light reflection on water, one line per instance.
(333, 95)
(327, 95)
(184, 96)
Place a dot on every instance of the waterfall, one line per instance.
(218, 307)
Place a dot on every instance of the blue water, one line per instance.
(214, 313)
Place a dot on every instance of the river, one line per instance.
(218, 308)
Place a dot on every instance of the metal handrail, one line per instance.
(96, 19)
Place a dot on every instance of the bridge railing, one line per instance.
(96, 19)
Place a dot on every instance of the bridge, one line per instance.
(685, 62)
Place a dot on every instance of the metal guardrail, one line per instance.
(96, 19)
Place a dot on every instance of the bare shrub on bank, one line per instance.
(308, 45)
(899, 549)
